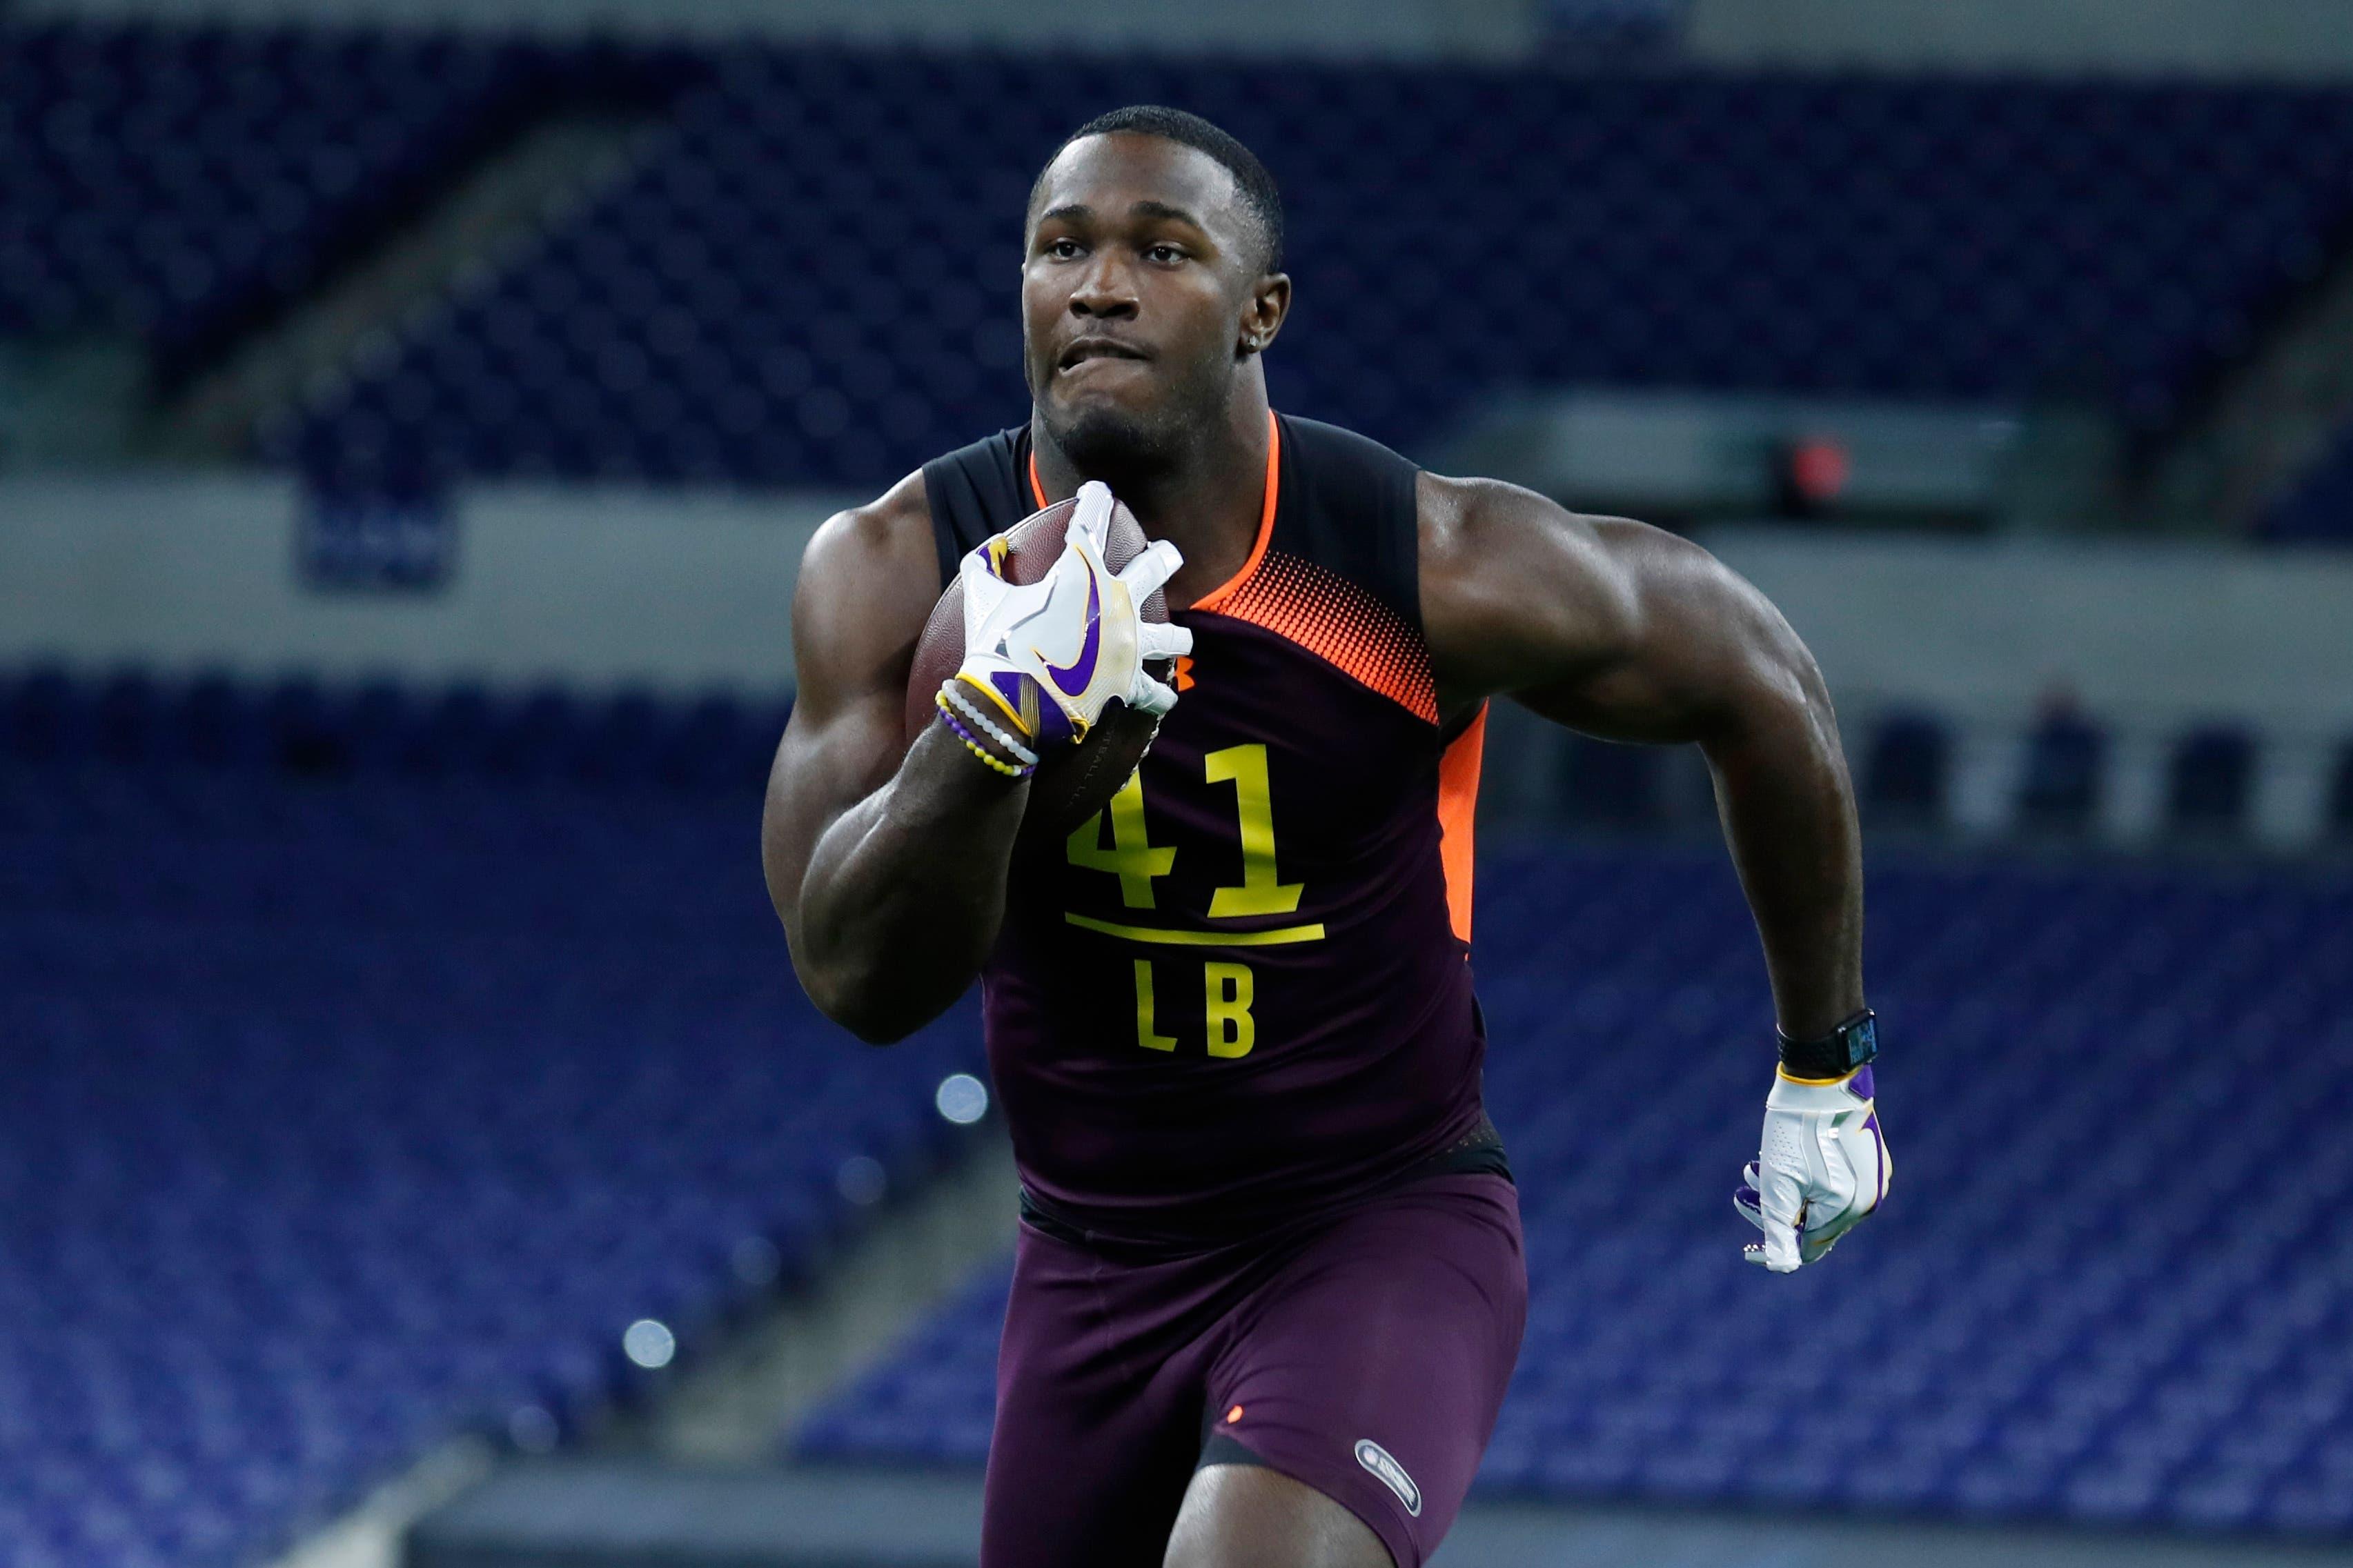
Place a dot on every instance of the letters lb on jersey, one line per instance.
(1241, 993)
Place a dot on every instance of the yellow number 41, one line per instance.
(1136, 861)
(1260, 892)
(1132, 857)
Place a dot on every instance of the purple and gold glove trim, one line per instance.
(1864, 1086)
(974, 743)
(1038, 716)
(1041, 723)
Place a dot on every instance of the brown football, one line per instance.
(1073, 784)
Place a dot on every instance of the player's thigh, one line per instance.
(1093, 1446)
(1247, 1516)
(1371, 1367)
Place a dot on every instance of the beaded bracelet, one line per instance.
(975, 716)
(972, 743)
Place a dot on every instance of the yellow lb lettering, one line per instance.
(1146, 1034)
(1227, 990)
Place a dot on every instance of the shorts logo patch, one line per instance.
(1390, 1473)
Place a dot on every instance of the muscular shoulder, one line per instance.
(1513, 585)
(868, 579)
(892, 531)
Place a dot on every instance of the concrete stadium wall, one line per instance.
(1459, 28)
(2148, 641)
(603, 585)
(2145, 635)
(2293, 40)
(599, 588)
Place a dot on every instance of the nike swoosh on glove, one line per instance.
(1821, 1167)
(1054, 653)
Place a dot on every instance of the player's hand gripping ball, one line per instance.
(1054, 653)
(1822, 1166)
(1050, 625)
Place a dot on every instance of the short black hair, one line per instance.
(1258, 187)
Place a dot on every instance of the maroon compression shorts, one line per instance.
(1366, 1357)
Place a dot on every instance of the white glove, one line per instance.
(1822, 1166)
(1054, 653)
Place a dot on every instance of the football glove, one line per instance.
(1054, 653)
(1822, 1166)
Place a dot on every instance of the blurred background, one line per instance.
(414, 1146)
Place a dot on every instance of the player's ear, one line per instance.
(1270, 302)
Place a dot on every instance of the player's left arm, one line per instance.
(1623, 631)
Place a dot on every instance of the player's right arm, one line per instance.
(886, 862)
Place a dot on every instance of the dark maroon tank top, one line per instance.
(1242, 995)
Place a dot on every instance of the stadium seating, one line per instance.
(1606, 785)
(1905, 772)
(2060, 790)
(179, 182)
(2210, 783)
(2084, 1299)
(377, 1056)
(2318, 507)
(813, 283)
(797, 287)
(373, 1062)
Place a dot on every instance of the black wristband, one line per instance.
(1853, 1044)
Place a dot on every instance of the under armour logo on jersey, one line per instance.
(1390, 1473)
(1184, 681)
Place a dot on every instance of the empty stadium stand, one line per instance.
(2060, 790)
(2208, 783)
(373, 1065)
(800, 289)
(1904, 780)
(379, 1055)
(2083, 1300)
(177, 182)
(797, 289)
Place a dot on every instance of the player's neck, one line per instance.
(1207, 504)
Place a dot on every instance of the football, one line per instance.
(1073, 784)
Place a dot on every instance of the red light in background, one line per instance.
(1819, 470)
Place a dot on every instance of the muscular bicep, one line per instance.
(1608, 626)
(869, 580)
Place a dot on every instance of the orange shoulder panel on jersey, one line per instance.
(1458, 808)
(1339, 622)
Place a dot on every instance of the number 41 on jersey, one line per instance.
(1226, 987)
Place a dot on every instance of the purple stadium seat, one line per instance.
(362, 1087)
